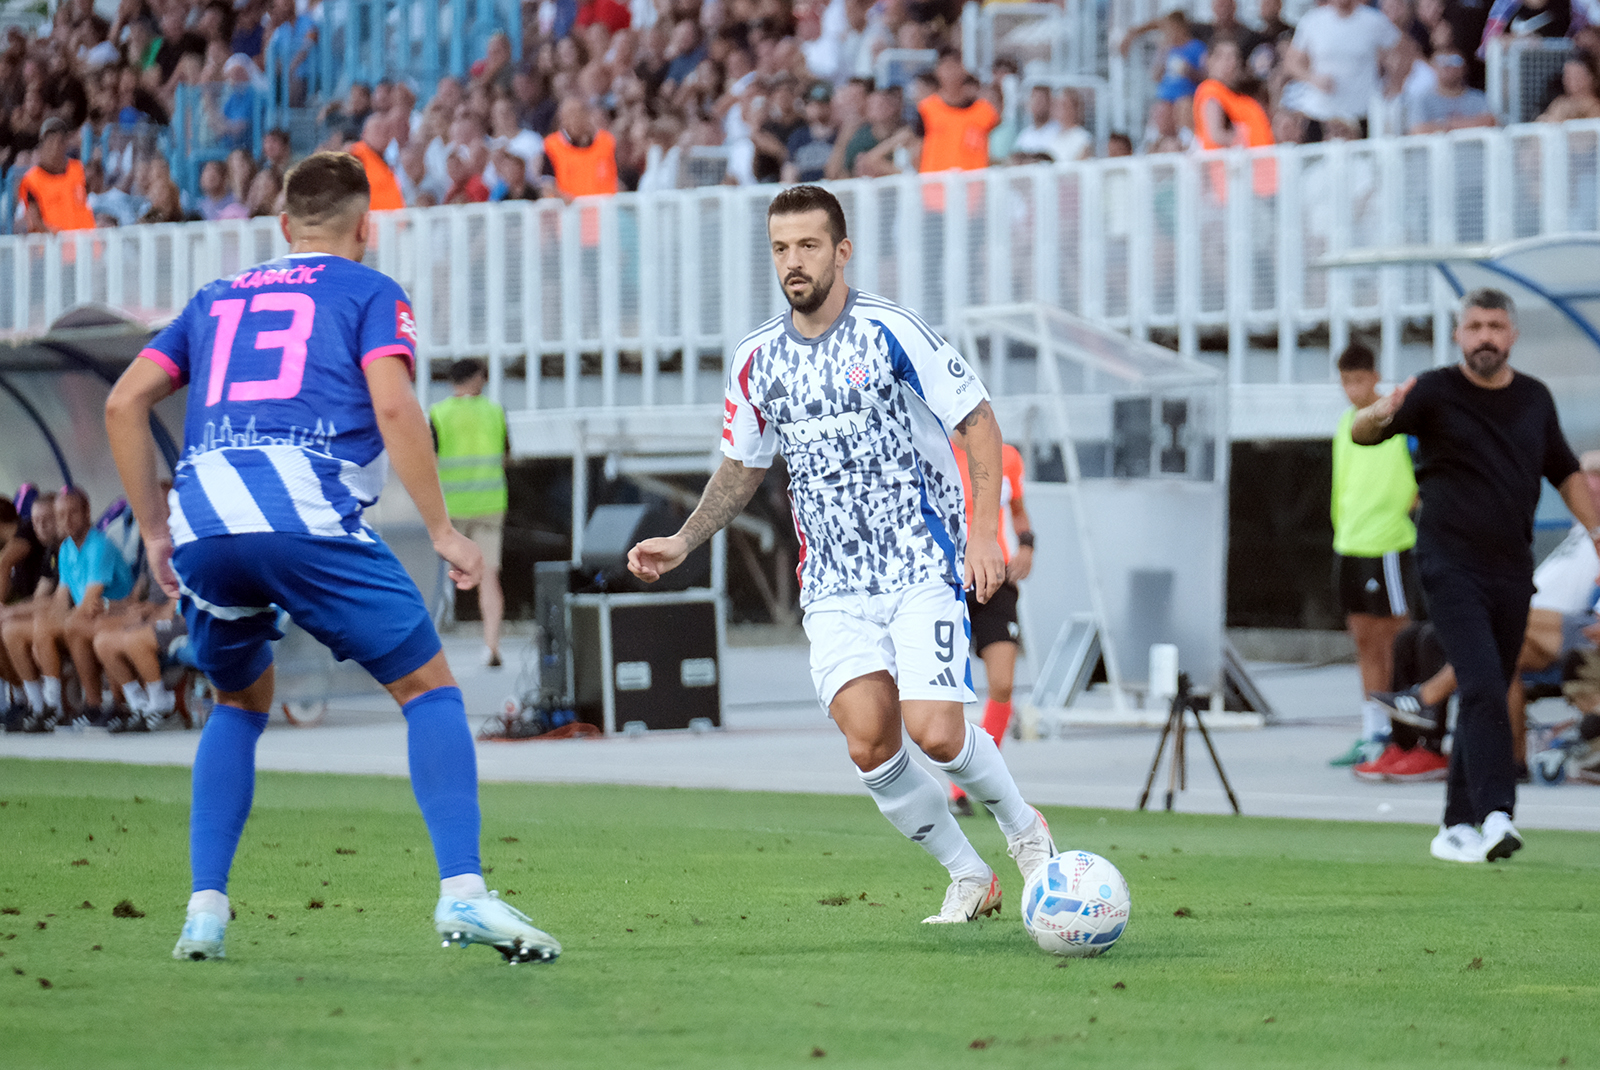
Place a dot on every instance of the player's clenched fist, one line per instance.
(466, 560)
(653, 558)
(986, 568)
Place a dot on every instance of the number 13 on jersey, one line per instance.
(290, 341)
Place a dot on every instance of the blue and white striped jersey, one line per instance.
(279, 433)
(863, 414)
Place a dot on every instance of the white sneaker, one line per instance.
(489, 920)
(968, 898)
(1458, 843)
(201, 938)
(1500, 837)
(1033, 848)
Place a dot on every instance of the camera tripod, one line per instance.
(1177, 770)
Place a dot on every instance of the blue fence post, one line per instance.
(458, 38)
(430, 46)
(404, 61)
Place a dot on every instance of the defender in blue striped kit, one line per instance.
(300, 397)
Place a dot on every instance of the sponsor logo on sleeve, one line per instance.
(405, 325)
(730, 411)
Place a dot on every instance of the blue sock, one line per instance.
(224, 784)
(444, 777)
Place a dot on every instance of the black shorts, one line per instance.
(994, 621)
(1384, 586)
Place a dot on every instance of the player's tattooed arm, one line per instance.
(978, 468)
(730, 488)
(729, 491)
(985, 565)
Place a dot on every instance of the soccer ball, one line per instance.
(1076, 904)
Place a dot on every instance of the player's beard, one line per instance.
(812, 299)
(1487, 360)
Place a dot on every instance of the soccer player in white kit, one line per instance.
(862, 397)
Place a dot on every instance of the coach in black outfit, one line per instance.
(1486, 435)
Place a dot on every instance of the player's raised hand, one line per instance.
(464, 558)
(653, 558)
(985, 568)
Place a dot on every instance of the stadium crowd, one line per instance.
(612, 96)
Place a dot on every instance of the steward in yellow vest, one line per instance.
(469, 432)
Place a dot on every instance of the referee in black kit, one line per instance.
(1486, 434)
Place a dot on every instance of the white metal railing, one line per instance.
(1518, 74)
(633, 300)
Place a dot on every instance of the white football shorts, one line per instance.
(920, 635)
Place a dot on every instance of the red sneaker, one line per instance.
(1420, 764)
(1378, 768)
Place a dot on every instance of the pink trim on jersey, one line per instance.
(164, 362)
(403, 352)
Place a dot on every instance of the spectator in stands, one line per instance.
(771, 138)
(166, 200)
(288, 48)
(608, 13)
(536, 108)
(1118, 144)
(386, 195)
(1225, 26)
(54, 194)
(1178, 67)
(1452, 104)
(494, 69)
(1224, 115)
(215, 197)
(93, 573)
(275, 149)
(342, 120)
(952, 128)
(466, 181)
(249, 30)
(412, 174)
(176, 41)
(1580, 92)
(580, 157)
(511, 179)
(266, 193)
(1034, 142)
(241, 168)
(507, 134)
(1338, 51)
(811, 146)
(1074, 141)
(231, 118)
(870, 152)
(112, 207)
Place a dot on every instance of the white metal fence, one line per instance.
(633, 300)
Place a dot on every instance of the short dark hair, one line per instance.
(1490, 298)
(1357, 358)
(72, 492)
(797, 200)
(325, 185)
(8, 511)
(278, 132)
(466, 369)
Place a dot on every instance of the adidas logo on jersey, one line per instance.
(820, 427)
(944, 679)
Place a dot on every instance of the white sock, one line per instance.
(159, 699)
(108, 697)
(1374, 720)
(209, 902)
(51, 686)
(915, 804)
(464, 886)
(35, 695)
(134, 694)
(982, 774)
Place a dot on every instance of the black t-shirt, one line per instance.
(38, 564)
(1481, 455)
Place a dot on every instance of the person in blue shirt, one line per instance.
(93, 574)
(1180, 65)
(300, 399)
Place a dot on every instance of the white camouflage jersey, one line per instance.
(863, 414)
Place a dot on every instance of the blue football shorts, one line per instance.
(354, 597)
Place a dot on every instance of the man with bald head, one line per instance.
(375, 138)
(581, 157)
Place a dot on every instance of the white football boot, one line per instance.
(1458, 843)
(1500, 837)
(201, 938)
(487, 919)
(968, 898)
(1033, 847)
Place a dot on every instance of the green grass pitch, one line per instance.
(720, 929)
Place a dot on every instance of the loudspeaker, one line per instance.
(664, 664)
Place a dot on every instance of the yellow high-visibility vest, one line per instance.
(472, 446)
